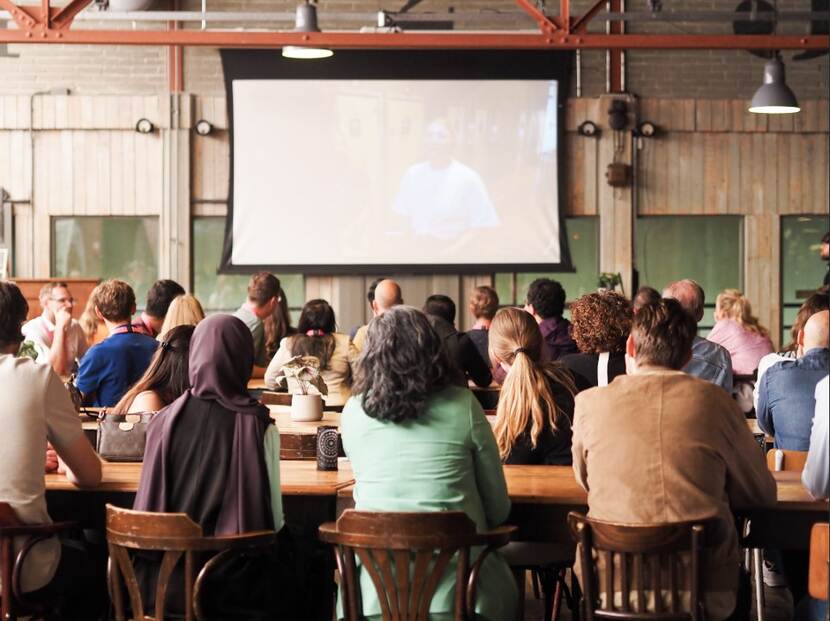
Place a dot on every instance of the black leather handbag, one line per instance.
(121, 437)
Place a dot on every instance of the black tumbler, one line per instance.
(327, 447)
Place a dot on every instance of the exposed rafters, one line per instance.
(46, 24)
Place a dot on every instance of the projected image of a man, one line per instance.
(441, 197)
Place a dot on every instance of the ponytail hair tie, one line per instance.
(520, 350)
(166, 346)
(315, 332)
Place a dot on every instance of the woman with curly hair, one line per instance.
(418, 443)
(601, 323)
(739, 331)
(536, 404)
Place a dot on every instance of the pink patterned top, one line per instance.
(745, 347)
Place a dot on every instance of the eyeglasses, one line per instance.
(63, 300)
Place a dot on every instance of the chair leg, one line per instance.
(534, 576)
(519, 576)
(557, 595)
(758, 558)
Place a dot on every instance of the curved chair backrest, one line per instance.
(13, 601)
(635, 567)
(406, 556)
(177, 536)
(783, 460)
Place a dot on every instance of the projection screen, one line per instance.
(348, 172)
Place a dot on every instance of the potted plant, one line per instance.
(305, 371)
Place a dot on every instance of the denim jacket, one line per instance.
(786, 399)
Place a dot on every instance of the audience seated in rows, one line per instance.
(818, 301)
(786, 403)
(316, 336)
(546, 302)
(165, 380)
(483, 304)
(658, 445)
(277, 326)
(465, 361)
(184, 310)
(36, 409)
(710, 361)
(237, 490)
(643, 297)
(263, 298)
(533, 418)
(109, 368)
(387, 293)
(816, 474)
(405, 397)
(600, 325)
(740, 332)
(159, 297)
(58, 339)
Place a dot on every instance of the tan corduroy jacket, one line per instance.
(662, 446)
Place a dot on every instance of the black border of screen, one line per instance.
(247, 64)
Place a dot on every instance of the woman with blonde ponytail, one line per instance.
(533, 419)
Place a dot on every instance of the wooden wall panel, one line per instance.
(16, 164)
(211, 166)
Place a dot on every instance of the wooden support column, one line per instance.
(615, 206)
(762, 270)
(174, 229)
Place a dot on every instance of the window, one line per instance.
(583, 244)
(107, 247)
(225, 292)
(802, 272)
(708, 249)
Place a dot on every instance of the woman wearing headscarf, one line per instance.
(214, 452)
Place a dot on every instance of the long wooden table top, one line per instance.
(556, 485)
(297, 478)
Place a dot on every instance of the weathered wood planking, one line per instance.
(100, 173)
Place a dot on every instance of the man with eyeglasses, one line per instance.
(57, 337)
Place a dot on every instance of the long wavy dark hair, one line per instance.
(403, 364)
(167, 374)
(317, 316)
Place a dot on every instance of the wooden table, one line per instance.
(542, 497)
(297, 478)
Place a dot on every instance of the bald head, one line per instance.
(689, 294)
(387, 295)
(816, 332)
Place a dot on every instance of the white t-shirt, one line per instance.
(444, 202)
(35, 408)
(41, 332)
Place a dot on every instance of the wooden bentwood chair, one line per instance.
(14, 602)
(177, 536)
(819, 573)
(649, 565)
(390, 544)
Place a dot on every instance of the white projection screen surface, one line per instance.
(418, 174)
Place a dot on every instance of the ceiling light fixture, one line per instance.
(774, 96)
(306, 21)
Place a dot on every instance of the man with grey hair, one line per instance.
(387, 295)
(710, 361)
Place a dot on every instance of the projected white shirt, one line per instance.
(394, 172)
(446, 201)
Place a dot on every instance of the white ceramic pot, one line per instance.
(306, 408)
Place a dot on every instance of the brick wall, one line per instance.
(676, 74)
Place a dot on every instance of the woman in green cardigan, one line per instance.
(417, 443)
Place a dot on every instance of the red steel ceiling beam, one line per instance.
(546, 24)
(581, 23)
(416, 40)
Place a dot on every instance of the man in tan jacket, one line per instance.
(658, 445)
